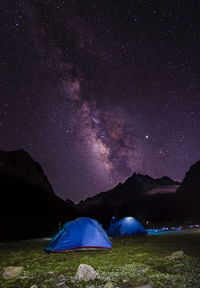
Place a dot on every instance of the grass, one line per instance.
(132, 262)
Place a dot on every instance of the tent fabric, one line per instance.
(126, 226)
(81, 233)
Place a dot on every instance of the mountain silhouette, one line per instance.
(132, 198)
(28, 205)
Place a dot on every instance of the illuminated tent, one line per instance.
(126, 226)
(82, 233)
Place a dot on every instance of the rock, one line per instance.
(60, 282)
(51, 273)
(109, 285)
(11, 272)
(86, 272)
(145, 286)
(22, 277)
(34, 286)
(176, 255)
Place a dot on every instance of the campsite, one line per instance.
(125, 251)
(132, 262)
(99, 144)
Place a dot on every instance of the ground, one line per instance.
(132, 262)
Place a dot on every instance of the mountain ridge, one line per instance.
(28, 203)
(30, 206)
(143, 183)
(132, 198)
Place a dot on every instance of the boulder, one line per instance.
(86, 272)
(11, 272)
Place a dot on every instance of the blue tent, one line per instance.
(126, 226)
(81, 233)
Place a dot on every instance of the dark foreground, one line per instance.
(132, 262)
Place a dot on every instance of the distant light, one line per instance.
(147, 136)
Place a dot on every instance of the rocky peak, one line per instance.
(19, 164)
(146, 179)
(133, 188)
(191, 182)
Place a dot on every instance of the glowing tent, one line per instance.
(126, 226)
(82, 233)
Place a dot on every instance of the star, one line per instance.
(98, 96)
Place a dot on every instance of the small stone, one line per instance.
(11, 272)
(51, 273)
(60, 282)
(145, 286)
(63, 286)
(86, 272)
(22, 277)
(109, 285)
(34, 286)
(176, 255)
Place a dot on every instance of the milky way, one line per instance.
(105, 135)
(98, 90)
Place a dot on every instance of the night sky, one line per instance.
(96, 90)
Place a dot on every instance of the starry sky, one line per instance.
(96, 90)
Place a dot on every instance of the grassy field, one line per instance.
(132, 262)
